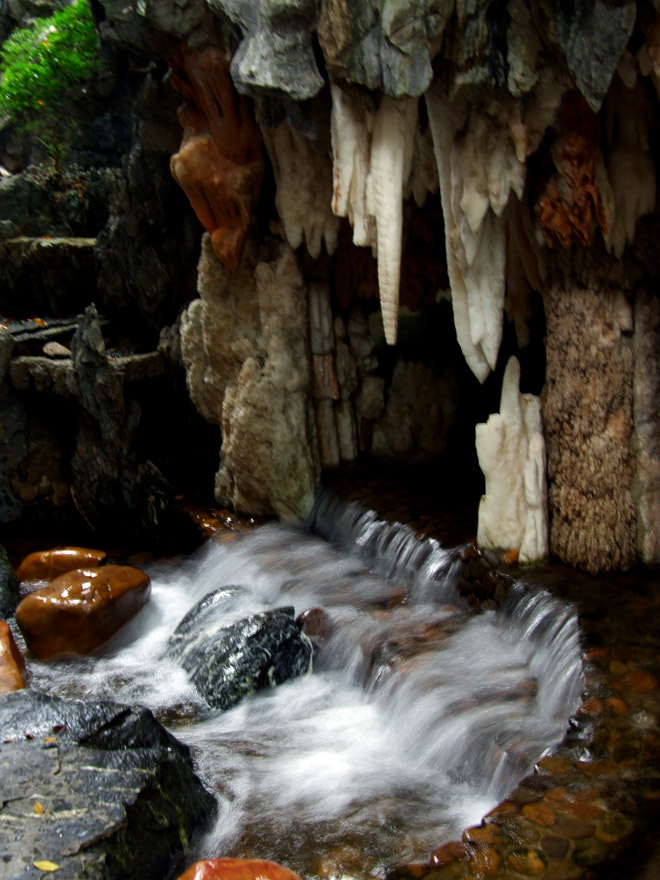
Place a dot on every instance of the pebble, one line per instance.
(530, 862)
(237, 869)
(48, 564)
(555, 847)
(56, 350)
(12, 664)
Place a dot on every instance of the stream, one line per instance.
(418, 718)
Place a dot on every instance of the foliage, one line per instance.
(41, 64)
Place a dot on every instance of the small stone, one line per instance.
(44, 565)
(447, 854)
(484, 861)
(589, 852)
(315, 622)
(592, 706)
(502, 811)
(616, 706)
(581, 810)
(555, 847)
(482, 834)
(540, 814)
(554, 765)
(80, 610)
(12, 664)
(571, 826)
(617, 667)
(238, 869)
(614, 827)
(530, 862)
(56, 350)
(511, 557)
(640, 681)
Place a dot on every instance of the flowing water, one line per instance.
(418, 718)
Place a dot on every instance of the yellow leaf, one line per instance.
(45, 865)
(38, 808)
(50, 739)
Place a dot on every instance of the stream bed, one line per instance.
(419, 716)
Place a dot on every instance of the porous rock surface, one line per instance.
(100, 790)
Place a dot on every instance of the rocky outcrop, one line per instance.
(97, 789)
(81, 609)
(226, 663)
(244, 344)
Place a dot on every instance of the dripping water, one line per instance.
(418, 718)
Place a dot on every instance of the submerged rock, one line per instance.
(80, 610)
(98, 789)
(226, 663)
(238, 869)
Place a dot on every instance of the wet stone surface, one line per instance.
(590, 809)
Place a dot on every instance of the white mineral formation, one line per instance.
(511, 452)
(372, 163)
(303, 182)
(630, 164)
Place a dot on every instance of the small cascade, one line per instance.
(418, 717)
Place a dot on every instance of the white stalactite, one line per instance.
(478, 167)
(372, 163)
(511, 452)
(303, 179)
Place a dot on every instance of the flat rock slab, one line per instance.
(98, 789)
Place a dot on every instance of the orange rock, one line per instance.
(238, 869)
(576, 200)
(44, 565)
(448, 853)
(220, 164)
(12, 664)
(640, 681)
(80, 610)
(511, 557)
(540, 814)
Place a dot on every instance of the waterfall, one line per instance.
(419, 716)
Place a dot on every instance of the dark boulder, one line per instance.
(101, 790)
(226, 663)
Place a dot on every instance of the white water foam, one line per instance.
(417, 719)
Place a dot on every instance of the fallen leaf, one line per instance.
(38, 808)
(45, 865)
(50, 739)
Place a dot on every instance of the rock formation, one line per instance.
(520, 134)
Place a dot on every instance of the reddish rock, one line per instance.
(81, 609)
(447, 854)
(238, 869)
(44, 565)
(219, 165)
(12, 664)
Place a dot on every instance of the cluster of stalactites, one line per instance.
(477, 154)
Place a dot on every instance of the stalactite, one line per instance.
(511, 452)
(303, 179)
(477, 167)
(630, 164)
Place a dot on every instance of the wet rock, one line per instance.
(315, 622)
(8, 585)
(238, 869)
(530, 862)
(226, 663)
(79, 610)
(117, 793)
(12, 664)
(48, 564)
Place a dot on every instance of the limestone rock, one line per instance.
(48, 564)
(383, 45)
(226, 663)
(119, 793)
(595, 23)
(276, 54)
(511, 451)
(245, 348)
(79, 610)
(237, 869)
(12, 664)
(219, 165)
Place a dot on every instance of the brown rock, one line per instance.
(540, 814)
(447, 853)
(81, 609)
(219, 165)
(237, 869)
(44, 565)
(555, 847)
(55, 349)
(12, 664)
(527, 861)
